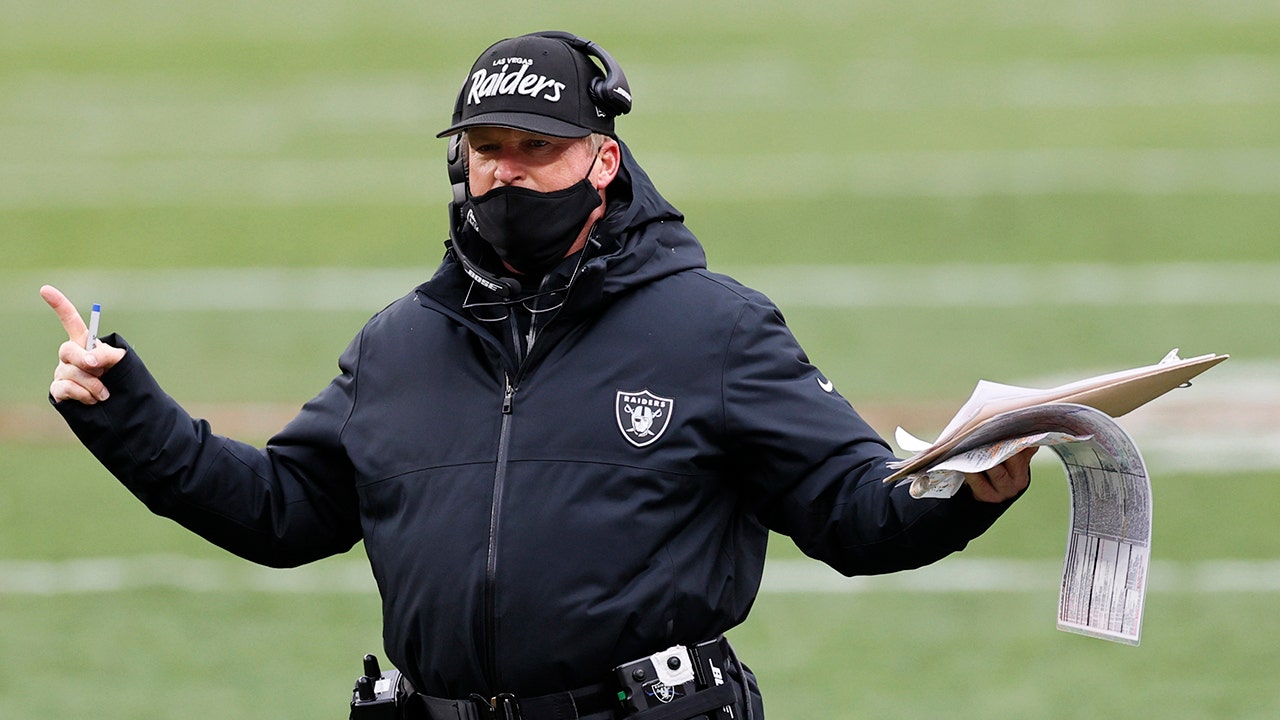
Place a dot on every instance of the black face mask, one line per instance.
(531, 231)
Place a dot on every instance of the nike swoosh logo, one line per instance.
(826, 385)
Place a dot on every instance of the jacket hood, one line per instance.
(651, 238)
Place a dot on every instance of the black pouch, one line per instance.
(679, 683)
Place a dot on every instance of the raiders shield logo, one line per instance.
(662, 693)
(642, 416)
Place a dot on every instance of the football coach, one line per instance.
(564, 451)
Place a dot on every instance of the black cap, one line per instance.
(534, 83)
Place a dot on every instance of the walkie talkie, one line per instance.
(377, 695)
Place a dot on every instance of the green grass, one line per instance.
(148, 135)
(169, 654)
(178, 655)
(990, 656)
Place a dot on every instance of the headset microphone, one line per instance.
(503, 287)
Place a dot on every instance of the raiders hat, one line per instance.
(541, 83)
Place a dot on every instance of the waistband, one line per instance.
(595, 702)
(733, 688)
(567, 706)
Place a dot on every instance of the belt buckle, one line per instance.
(502, 706)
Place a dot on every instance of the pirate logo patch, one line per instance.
(642, 416)
(662, 693)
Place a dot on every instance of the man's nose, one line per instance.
(508, 170)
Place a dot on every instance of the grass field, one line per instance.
(934, 192)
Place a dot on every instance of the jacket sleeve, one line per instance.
(282, 506)
(814, 467)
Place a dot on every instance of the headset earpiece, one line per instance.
(457, 169)
(611, 93)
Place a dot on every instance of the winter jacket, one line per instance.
(534, 520)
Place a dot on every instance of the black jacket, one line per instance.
(534, 521)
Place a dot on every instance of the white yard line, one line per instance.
(150, 111)
(1006, 575)
(1030, 172)
(951, 285)
(344, 576)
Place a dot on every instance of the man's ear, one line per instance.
(608, 163)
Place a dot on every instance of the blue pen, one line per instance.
(94, 316)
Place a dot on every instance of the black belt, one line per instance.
(591, 703)
(595, 702)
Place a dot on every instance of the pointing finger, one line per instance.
(67, 313)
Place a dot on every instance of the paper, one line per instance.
(1104, 574)
(1113, 393)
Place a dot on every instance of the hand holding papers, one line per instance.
(1104, 574)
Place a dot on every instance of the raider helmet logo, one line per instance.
(662, 693)
(642, 416)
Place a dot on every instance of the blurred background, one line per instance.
(1027, 192)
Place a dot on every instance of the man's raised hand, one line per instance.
(79, 371)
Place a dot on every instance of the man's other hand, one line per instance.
(1004, 481)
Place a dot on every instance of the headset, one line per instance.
(610, 93)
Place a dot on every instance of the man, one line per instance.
(565, 450)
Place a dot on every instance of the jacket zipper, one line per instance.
(499, 486)
(495, 514)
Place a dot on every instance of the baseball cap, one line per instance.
(533, 83)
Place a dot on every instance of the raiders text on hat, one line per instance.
(487, 83)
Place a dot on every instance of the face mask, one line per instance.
(531, 231)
